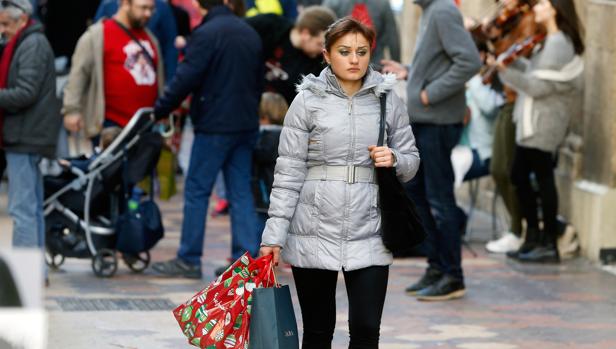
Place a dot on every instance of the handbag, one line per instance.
(272, 319)
(138, 230)
(401, 228)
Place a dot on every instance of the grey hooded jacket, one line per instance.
(445, 59)
(329, 224)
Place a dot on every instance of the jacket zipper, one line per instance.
(351, 157)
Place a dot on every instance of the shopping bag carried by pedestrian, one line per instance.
(401, 227)
(218, 316)
(272, 319)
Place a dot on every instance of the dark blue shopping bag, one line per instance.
(138, 231)
(272, 319)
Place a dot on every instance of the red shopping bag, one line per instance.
(218, 316)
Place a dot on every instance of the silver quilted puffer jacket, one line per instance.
(321, 212)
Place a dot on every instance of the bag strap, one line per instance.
(383, 100)
(137, 41)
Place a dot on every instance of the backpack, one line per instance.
(360, 13)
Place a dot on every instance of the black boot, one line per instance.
(531, 241)
(541, 254)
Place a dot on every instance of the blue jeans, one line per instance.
(26, 199)
(210, 153)
(433, 193)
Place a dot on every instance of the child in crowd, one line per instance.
(108, 135)
(272, 110)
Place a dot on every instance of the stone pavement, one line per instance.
(508, 305)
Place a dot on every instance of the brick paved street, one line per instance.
(508, 305)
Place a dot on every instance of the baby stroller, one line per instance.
(82, 207)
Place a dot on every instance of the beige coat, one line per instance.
(84, 92)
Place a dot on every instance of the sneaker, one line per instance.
(508, 242)
(177, 268)
(430, 277)
(447, 288)
(221, 208)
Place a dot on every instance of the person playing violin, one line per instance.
(547, 86)
(515, 29)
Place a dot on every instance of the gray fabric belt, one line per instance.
(349, 174)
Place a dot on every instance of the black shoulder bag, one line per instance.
(401, 228)
(138, 42)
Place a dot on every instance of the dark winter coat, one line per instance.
(32, 117)
(223, 69)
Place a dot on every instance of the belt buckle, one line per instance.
(351, 174)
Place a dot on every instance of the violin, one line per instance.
(506, 16)
(500, 24)
(523, 48)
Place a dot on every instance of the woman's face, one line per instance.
(349, 57)
(544, 12)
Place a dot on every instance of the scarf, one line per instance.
(5, 65)
(567, 73)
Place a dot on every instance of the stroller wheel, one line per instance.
(53, 260)
(137, 262)
(105, 263)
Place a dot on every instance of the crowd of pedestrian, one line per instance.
(283, 99)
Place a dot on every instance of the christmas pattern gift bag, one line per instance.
(218, 316)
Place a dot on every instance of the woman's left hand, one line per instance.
(382, 156)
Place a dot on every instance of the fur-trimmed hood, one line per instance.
(327, 83)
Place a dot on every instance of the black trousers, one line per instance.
(541, 164)
(316, 290)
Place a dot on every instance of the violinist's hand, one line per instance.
(390, 66)
(273, 250)
(490, 59)
(469, 23)
(500, 65)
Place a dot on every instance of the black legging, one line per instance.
(316, 290)
(541, 163)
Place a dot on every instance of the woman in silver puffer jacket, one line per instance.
(324, 211)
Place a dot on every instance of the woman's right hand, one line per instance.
(273, 250)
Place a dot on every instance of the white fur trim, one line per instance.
(389, 80)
